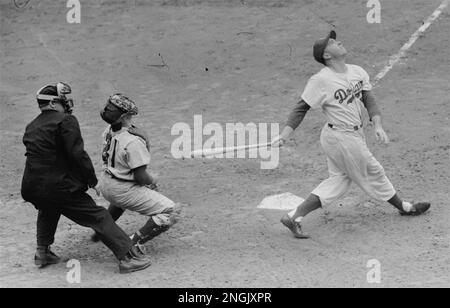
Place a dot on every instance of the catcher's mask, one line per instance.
(56, 94)
(117, 106)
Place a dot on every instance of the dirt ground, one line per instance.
(234, 61)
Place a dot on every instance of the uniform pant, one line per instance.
(349, 160)
(128, 195)
(80, 208)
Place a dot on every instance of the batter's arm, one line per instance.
(375, 116)
(369, 102)
(295, 118)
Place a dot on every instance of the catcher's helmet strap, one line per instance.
(46, 97)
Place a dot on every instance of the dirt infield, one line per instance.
(234, 61)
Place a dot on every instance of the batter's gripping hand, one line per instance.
(381, 135)
(277, 142)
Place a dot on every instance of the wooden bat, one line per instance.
(215, 151)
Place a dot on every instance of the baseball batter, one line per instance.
(341, 91)
(126, 184)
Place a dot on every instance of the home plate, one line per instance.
(286, 201)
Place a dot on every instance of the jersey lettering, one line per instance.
(341, 95)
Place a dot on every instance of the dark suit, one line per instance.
(58, 172)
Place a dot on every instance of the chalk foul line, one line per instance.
(401, 53)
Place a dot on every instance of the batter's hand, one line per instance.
(155, 177)
(278, 142)
(381, 135)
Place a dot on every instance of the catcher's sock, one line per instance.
(150, 230)
(136, 237)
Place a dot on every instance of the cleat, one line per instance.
(418, 209)
(294, 226)
(138, 251)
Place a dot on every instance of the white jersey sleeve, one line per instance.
(314, 94)
(366, 86)
(137, 154)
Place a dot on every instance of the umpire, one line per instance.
(57, 174)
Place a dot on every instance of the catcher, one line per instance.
(126, 184)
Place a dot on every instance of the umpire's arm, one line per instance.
(73, 143)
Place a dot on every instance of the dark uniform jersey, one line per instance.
(56, 160)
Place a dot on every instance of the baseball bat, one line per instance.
(223, 150)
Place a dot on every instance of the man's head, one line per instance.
(53, 97)
(328, 49)
(118, 109)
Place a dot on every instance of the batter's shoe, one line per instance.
(133, 262)
(417, 209)
(44, 256)
(294, 226)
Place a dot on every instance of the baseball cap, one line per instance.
(320, 45)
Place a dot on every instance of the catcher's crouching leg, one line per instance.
(155, 225)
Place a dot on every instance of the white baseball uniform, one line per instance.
(349, 160)
(127, 152)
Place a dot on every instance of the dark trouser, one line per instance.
(80, 208)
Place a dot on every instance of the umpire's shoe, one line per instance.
(417, 209)
(133, 261)
(294, 226)
(44, 256)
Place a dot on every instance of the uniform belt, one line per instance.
(355, 128)
(115, 177)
